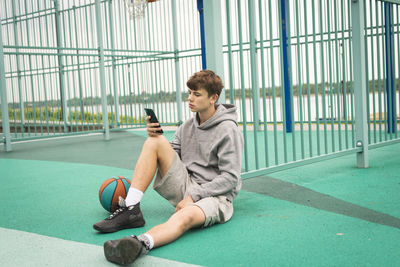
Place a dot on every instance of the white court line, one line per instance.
(18, 248)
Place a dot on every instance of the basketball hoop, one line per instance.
(136, 8)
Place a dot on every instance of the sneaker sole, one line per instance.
(123, 251)
(115, 229)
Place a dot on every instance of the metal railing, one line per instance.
(291, 67)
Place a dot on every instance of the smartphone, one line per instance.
(153, 118)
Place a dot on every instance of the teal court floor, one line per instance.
(324, 214)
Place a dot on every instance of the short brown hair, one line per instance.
(206, 79)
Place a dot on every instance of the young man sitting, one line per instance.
(198, 173)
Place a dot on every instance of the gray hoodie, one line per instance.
(212, 153)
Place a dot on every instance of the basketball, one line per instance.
(110, 191)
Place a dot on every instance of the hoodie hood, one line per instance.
(224, 112)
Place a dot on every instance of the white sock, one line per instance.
(147, 240)
(134, 196)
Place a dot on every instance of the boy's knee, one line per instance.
(190, 217)
(185, 223)
(155, 141)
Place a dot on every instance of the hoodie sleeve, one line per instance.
(176, 143)
(229, 154)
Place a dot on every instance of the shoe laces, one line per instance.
(122, 207)
(115, 213)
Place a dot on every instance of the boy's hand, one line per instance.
(184, 202)
(152, 128)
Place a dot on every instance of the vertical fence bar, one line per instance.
(264, 95)
(200, 8)
(113, 67)
(316, 87)
(44, 77)
(286, 66)
(378, 51)
(29, 42)
(397, 106)
(337, 78)
(4, 100)
(360, 89)
(79, 78)
(230, 61)
(254, 78)
(176, 62)
(284, 73)
(291, 70)
(16, 42)
(61, 72)
(344, 71)
(273, 88)
(368, 28)
(372, 83)
(330, 67)
(101, 71)
(351, 75)
(307, 55)
(323, 84)
(299, 82)
(390, 94)
(242, 85)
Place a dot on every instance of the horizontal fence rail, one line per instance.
(84, 66)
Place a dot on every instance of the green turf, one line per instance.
(122, 150)
(60, 199)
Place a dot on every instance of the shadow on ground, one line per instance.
(303, 196)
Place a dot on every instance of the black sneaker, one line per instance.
(124, 251)
(122, 218)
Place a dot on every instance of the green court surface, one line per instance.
(324, 214)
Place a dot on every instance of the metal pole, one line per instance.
(177, 70)
(360, 87)
(230, 59)
(390, 96)
(242, 84)
(254, 78)
(16, 40)
(4, 101)
(101, 71)
(63, 99)
(254, 66)
(79, 66)
(286, 68)
(213, 39)
(200, 8)
(116, 95)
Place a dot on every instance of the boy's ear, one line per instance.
(214, 98)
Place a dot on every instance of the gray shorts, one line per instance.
(174, 186)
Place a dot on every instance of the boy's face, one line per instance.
(200, 101)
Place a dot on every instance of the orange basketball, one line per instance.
(110, 191)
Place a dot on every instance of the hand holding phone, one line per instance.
(153, 119)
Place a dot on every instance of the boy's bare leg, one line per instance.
(126, 250)
(189, 217)
(156, 152)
